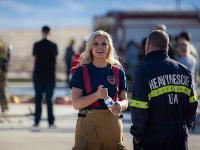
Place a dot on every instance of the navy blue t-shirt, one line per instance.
(99, 76)
(45, 53)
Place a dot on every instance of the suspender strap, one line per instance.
(87, 84)
(86, 79)
(116, 74)
(73, 69)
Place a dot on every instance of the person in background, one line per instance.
(121, 54)
(186, 58)
(164, 101)
(76, 59)
(186, 36)
(171, 50)
(44, 77)
(161, 27)
(142, 51)
(4, 60)
(132, 61)
(99, 92)
(69, 54)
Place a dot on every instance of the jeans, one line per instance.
(43, 87)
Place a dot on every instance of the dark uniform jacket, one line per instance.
(163, 104)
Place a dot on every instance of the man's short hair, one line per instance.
(159, 39)
(45, 29)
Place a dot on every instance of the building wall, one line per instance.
(22, 41)
(137, 29)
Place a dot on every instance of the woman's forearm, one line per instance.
(84, 101)
(123, 100)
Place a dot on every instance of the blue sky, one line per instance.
(61, 13)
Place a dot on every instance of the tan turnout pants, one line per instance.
(99, 130)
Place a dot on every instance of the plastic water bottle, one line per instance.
(109, 102)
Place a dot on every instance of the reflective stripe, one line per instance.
(139, 104)
(193, 99)
(168, 89)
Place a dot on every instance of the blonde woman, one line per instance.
(99, 78)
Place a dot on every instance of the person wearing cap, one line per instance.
(44, 78)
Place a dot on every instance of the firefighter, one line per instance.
(4, 59)
(99, 79)
(164, 102)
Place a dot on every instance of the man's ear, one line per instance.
(147, 46)
(167, 48)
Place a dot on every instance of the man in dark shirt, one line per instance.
(45, 53)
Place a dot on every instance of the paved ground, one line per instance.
(16, 132)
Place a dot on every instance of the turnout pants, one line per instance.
(3, 93)
(99, 130)
(3, 100)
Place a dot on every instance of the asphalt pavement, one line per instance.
(16, 132)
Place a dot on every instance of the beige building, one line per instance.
(21, 42)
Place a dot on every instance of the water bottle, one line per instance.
(109, 102)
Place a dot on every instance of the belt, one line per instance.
(81, 115)
(84, 115)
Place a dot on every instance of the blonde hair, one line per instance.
(87, 57)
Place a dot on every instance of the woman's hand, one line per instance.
(102, 92)
(116, 108)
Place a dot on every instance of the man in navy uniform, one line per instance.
(164, 103)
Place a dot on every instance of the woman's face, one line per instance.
(100, 47)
